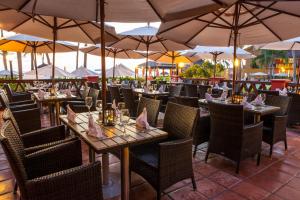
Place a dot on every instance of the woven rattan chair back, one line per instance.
(188, 101)
(175, 90)
(180, 121)
(115, 93)
(280, 101)
(4, 99)
(191, 90)
(7, 115)
(8, 90)
(152, 106)
(129, 101)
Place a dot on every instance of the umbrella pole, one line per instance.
(103, 78)
(35, 64)
(114, 67)
(147, 54)
(54, 50)
(215, 62)
(11, 70)
(235, 32)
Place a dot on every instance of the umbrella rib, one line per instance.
(127, 54)
(273, 32)
(221, 18)
(107, 32)
(198, 32)
(16, 26)
(154, 9)
(66, 22)
(257, 14)
(85, 32)
(43, 21)
(161, 41)
(257, 22)
(24, 4)
(273, 9)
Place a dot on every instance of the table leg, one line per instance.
(92, 156)
(125, 174)
(256, 118)
(57, 112)
(105, 168)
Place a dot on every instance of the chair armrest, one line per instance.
(253, 129)
(252, 137)
(53, 159)
(28, 120)
(175, 167)
(32, 149)
(21, 102)
(21, 97)
(83, 182)
(280, 123)
(23, 107)
(43, 136)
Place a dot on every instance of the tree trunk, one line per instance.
(19, 58)
(4, 54)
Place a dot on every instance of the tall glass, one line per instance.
(124, 119)
(89, 103)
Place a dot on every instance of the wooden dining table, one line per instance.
(257, 111)
(53, 103)
(153, 93)
(114, 139)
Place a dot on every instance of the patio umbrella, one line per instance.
(54, 28)
(172, 57)
(145, 39)
(6, 73)
(119, 71)
(83, 72)
(242, 23)
(30, 44)
(287, 45)
(214, 53)
(113, 53)
(118, 10)
(44, 72)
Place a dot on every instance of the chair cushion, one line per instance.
(147, 154)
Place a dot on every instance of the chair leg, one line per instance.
(258, 159)
(158, 195)
(195, 151)
(194, 183)
(285, 144)
(237, 170)
(15, 188)
(206, 156)
(271, 150)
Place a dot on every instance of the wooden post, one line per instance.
(54, 46)
(235, 32)
(103, 67)
(114, 67)
(20, 70)
(77, 56)
(11, 69)
(147, 54)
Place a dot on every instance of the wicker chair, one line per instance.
(174, 90)
(191, 90)
(18, 105)
(202, 90)
(275, 125)
(130, 101)
(229, 136)
(80, 106)
(115, 94)
(216, 92)
(39, 138)
(16, 96)
(293, 114)
(169, 161)
(202, 130)
(53, 173)
(153, 108)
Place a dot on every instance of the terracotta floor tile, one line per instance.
(224, 179)
(6, 186)
(209, 188)
(250, 191)
(8, 196)
(145, 190)
(229, 195)
(273, 197)
(204, 168)
(287, 168)
(295, 183)
(288, 193)
(178, 185)
(267, 183)
(186, 193)
(5, 174)
(276, 175)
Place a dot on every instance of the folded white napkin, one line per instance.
(225, 86)
(161, 89)
(216, 86)
(41, 94)
(141, 120)
(94, 129)
(146, 89)
(68, 92)
(208, 97)
(71, 115)
(246, 104)
(282, 92)
(258, 101)
(224, 95)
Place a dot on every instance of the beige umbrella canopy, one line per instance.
(118, 10)
(145, 39)
(113, 53)
(243, 23)
(120, 70)
(83, 72)
(44, 72)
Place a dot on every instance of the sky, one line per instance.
(68, 60)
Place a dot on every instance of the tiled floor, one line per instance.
(275, 179)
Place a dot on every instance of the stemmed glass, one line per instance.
(89, 103)
(99, 109)
(124, 119)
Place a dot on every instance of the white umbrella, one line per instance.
(6, 73)
(120, 70)
(242, 23)
(45, 73)
(113, 53)
(83, 72)
(145, 39)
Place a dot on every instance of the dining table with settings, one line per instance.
(53, 102)
(256, 110)
(150, 93)
(115, 137)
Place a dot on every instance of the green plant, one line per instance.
(205, 70)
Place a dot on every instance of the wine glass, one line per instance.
(124, 119)
(121, 106)
(99, 109)
(89, 103)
